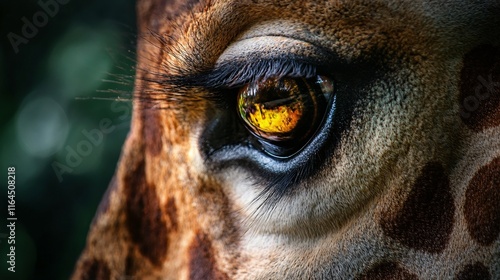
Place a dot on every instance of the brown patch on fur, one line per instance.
(153, 131)
(202, 264)
(480, 88)
(482, 204)
(387, 271)
(177, 8)
(425, 220)
(171, 210)
(475, 271)
(156, 13)
(104, 204)
(130, 263)
(95, 270)
(145, 221)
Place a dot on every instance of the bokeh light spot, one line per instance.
(41, 126)
(80, 60)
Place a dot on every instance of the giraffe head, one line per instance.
(308, 140)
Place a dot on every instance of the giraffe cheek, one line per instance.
(387, 270)
(482, 211)
(153, 131)
(480, 88)
(202, 264)
(474, 271)
(145, 221)
(95, 269)
(426, 220)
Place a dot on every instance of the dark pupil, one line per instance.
(278, 109)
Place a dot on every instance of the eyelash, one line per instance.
(222, 81)
(231, 75)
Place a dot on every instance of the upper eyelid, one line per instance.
(230, 75)
(256, 58)
(233, 74)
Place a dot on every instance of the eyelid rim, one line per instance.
(277, 56)
(267, 46)
(236, 74)
(234, 69)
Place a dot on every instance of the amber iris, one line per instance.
(284, 109)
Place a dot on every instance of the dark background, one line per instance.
(58, 86)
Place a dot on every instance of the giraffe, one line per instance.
(394, 175)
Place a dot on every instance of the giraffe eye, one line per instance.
(284, 113)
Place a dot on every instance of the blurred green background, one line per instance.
(60, 126)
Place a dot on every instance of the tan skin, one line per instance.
(398, 180)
